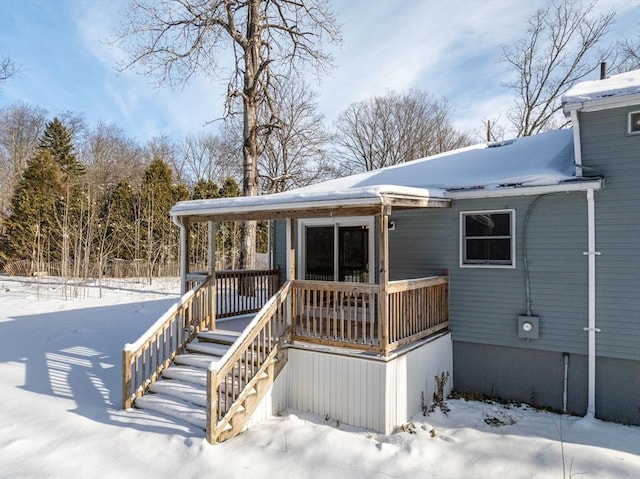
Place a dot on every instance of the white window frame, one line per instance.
(629, 123)
(336, 221)
(463, 264)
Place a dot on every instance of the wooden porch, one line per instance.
(377, 317)
(343, 315)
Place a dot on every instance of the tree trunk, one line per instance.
(251, 92)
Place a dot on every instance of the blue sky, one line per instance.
(448, 48)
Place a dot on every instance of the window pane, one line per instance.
(319, 253)
(493, 224)
(353, 253)
(489, 250)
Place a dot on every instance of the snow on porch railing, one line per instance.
(144, 361)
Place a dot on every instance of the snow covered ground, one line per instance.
(60, 413)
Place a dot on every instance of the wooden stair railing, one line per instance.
(144, 361)
(237, 383)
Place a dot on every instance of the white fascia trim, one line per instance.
(603, 103)
(374, 200)
(527, 190)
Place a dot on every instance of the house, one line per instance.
(504, 269)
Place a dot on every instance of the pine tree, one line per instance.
(157, 196)
(58, 141)
(31, 226)
(72, 214)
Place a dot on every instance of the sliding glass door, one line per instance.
(338, 251)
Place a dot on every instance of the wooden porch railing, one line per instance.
(245, 291)
(336, 314)
(417, 308)
(240, 291)
(144, 360)
(346, 314)
(244, 373)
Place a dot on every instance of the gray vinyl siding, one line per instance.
(608, 150)
(486, 302)
(280, 248)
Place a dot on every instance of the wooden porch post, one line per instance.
(184, 256)
(383, 277)
(291, 264)
(213, 284)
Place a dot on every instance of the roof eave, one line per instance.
(564, 187)
(312, 208)
(605, 103)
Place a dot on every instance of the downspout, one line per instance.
(577, 147)
(591, 253)
(183, 254)
(592, 330)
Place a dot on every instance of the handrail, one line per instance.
(417, 283)
(229, 379)
(144, 361)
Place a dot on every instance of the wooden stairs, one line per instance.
(181, 391)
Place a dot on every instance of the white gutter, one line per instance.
(591, 253)
(598, 104)
(183, 254)
(567, 187)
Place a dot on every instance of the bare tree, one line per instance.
(628, 55)
(111, 157)
(210, 157)
(395, 128)
(296, 152)
(177, 39)
(559, 49)
(7, 69)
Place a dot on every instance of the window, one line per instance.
(487, 239)
(634, 123)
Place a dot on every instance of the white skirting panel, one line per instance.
(373, 394)
(368, 393)
(412, 375)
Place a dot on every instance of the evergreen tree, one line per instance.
(117, 222)
(73, 213)
(31, 226)
(157, 196)
(203, 189)
(58, 141)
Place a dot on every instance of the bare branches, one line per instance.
(7, 69)
(558, 50)
(395, 128)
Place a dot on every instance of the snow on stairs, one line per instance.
(181, 392)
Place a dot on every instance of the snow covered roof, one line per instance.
(544, 160)
(608, 92)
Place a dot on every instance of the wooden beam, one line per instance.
(383, 278)
(211, 264)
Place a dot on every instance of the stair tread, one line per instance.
(196, 360)
(208, 348)
(221, 336)
(190, 392)
(187, 374)
(173, 407)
